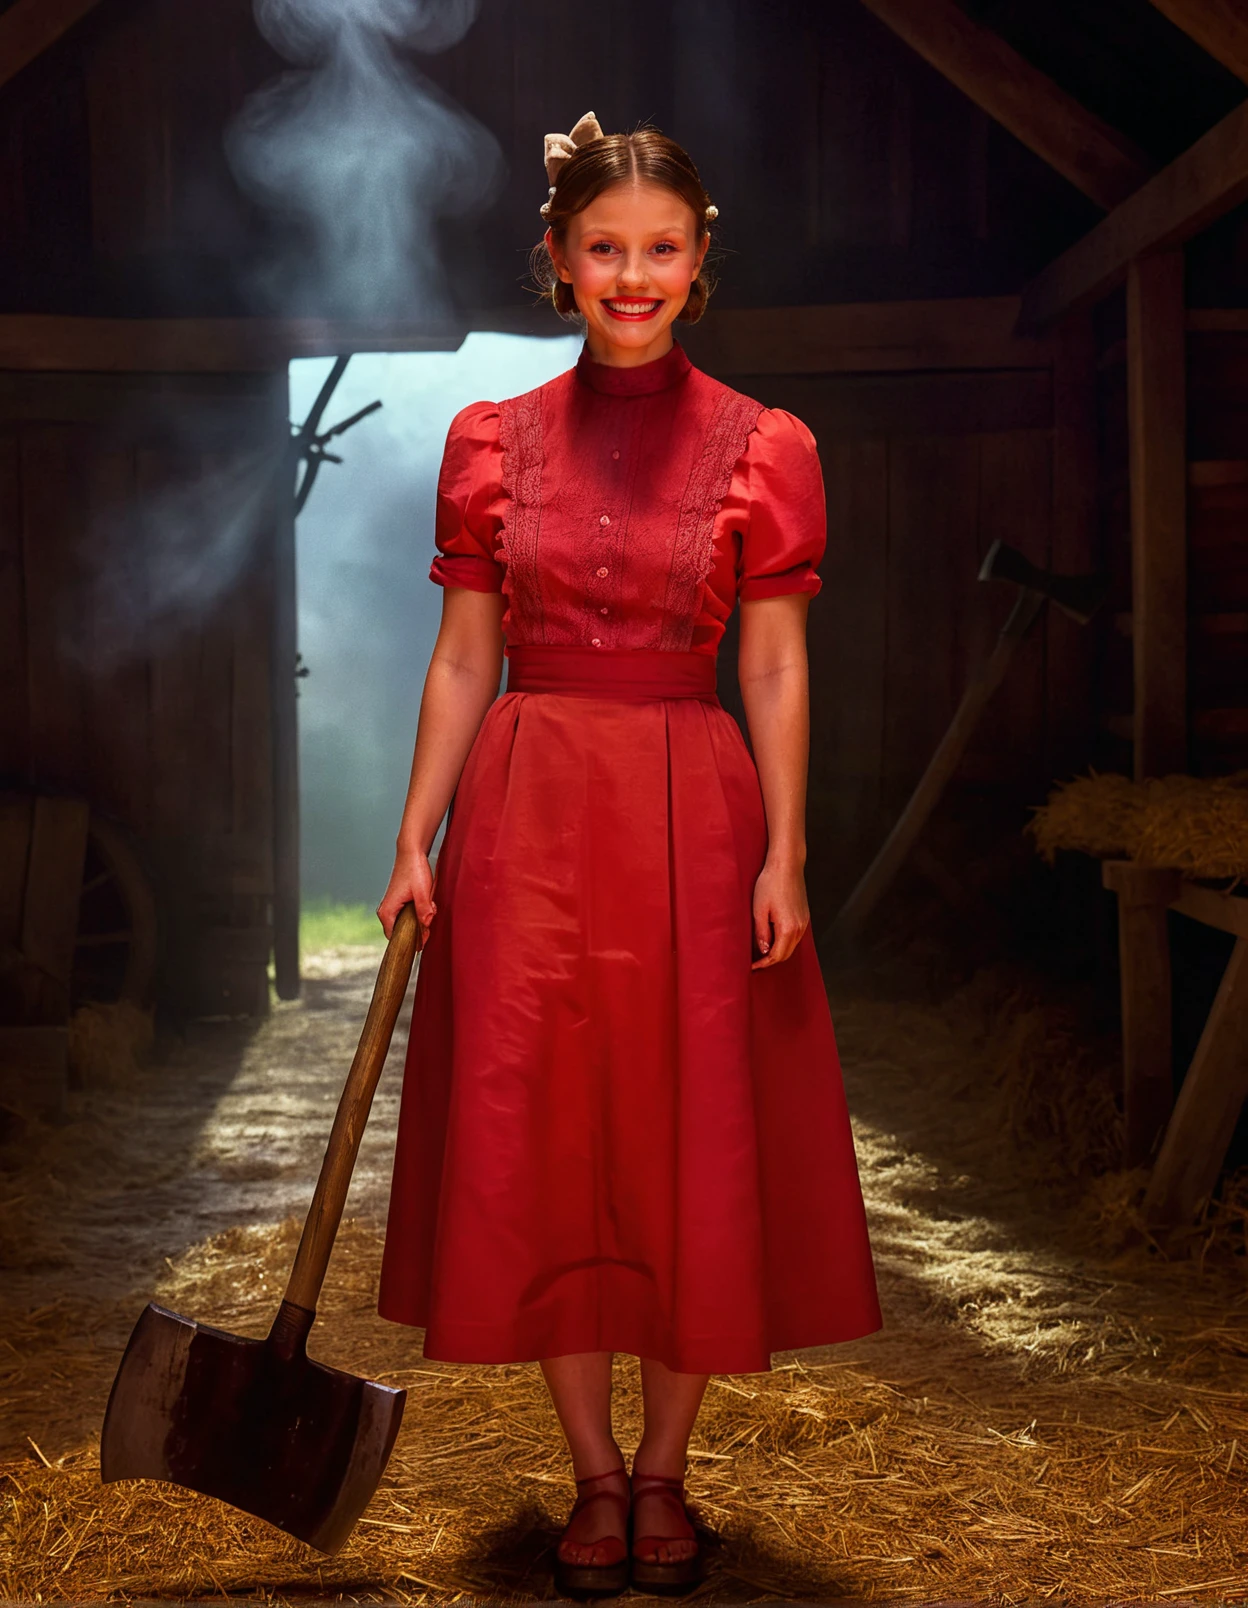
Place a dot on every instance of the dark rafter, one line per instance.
(1096, 158)
(1219, 27)
(1184, 198)
(30, 27)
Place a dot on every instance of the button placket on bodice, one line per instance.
(616, 470)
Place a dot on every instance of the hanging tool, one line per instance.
(308, 442)
(1079, 596)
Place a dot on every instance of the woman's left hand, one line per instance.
(781, 913)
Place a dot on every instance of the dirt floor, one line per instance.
(1056, 1407)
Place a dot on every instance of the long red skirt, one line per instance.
(615, 1136)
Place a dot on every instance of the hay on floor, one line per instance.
(108, 1040)
(1056, 1407)
(819, 1480)
(1192, 824)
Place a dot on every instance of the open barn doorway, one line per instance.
(367, 613)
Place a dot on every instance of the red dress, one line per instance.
(615, 1136)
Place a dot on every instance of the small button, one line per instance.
(605, 520)
(595, 642)
(616, 453)
(601, 570)
(602, 611)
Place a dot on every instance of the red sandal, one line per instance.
(609, 1576)
(651, 1571)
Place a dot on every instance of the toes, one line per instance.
(677, 1550)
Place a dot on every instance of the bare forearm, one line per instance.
(452, 707)
(777, 707)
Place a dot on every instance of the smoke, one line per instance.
(162, 565)
(359, 157)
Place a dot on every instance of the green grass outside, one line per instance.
(327, 924)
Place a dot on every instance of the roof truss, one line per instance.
(1096, 158)
(1219, 27)
(33, 26)
(1184, 198)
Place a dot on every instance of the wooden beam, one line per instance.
(1217, 320)
(30, 27)
(1144, 894)
(1093, 156)
(283, 695)
(861, 338)
(1208, 1106)
(865, 338)
(1070, 653)
(1195, 189)
(1215, 909)
(199, 345)
(1219, 27)
(1157, 424)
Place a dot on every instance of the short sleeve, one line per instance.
(469, 515)
(786, 527)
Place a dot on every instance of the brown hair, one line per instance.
(646, 156)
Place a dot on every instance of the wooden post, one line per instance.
(1071, 648)
(285, 743)
(1144, 893)
(1208, 1106)
(1156, 400)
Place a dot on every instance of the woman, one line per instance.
(623, 1127)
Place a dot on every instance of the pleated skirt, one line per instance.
(614, 1135)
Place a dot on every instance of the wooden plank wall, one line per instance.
(814, 126)
(157, 713)
(924, 469)
(914, 503)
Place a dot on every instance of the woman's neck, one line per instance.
(614, 356)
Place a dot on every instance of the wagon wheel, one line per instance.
(115, 950)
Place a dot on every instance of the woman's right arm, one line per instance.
(460, 686)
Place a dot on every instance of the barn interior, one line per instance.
(995, 254)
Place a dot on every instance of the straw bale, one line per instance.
(1192, 824)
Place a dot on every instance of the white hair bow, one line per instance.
(559, 147)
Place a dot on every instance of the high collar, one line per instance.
(659, 374)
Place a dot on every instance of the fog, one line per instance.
(368, 613)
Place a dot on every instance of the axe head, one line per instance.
(288, 1440)
(1077, 595)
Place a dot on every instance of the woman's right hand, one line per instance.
(411, 882)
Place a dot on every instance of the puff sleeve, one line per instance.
(469, 514)
(785, 532)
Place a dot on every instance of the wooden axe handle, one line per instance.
(940, 770)
(321, 1227)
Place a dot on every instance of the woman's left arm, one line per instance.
(775, 689)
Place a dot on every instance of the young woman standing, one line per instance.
(623, 1126)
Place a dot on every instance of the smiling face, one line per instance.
(630, 257)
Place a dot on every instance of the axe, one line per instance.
(1079, 596)
(257, 1423)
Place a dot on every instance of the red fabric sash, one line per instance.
(630, 674)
